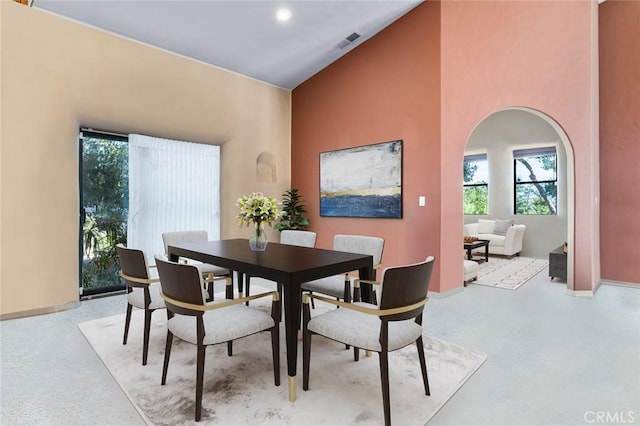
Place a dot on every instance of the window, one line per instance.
(104, 204)
(134, 188)
(476, 184)
(173, 186)
(535, 181)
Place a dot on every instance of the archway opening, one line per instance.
(517, 129)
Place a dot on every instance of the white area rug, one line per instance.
(508, 273)
(239, 390)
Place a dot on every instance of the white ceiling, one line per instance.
(241, 36)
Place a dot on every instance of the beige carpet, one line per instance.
(239, 390)
(508, 273)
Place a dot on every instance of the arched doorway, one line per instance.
(497, 135)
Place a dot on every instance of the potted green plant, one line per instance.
(293, 209)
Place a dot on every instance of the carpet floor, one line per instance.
(239, 390)
(508, 273)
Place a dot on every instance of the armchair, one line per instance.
(203, 324)
(339, 286)
(210, 273)
(394, 324)
(143, 292)
(504, 238)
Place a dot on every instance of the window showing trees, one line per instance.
(535, 181)
(104, 202)
(476, 184)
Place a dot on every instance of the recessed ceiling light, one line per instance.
(283, 14)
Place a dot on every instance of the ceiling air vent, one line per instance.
(347, 41)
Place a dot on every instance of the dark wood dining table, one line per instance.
(287, 265)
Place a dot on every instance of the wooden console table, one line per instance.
(558, 263)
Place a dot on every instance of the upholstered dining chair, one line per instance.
(193, 320)
(210, 273)
(393, 324)
(339, 286)
(292, 237)
(143, 292)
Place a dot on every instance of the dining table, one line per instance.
(288, 265)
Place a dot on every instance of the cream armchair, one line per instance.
(504, 237)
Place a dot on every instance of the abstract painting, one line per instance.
(365, 181)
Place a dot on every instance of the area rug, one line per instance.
(508, 273)
(239, 390)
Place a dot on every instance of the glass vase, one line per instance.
(258, 239)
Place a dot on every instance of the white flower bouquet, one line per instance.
(258, 209)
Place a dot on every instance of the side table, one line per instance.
(477, 244)
(558, 263)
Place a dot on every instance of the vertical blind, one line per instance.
(173, 186)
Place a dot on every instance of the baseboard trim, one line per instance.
(40, 311)
(445, 294)
(580, 293)
(621, 284)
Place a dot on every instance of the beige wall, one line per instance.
(57, 76)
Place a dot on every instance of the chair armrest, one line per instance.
(139, 280)
(222, 304)
(514, 238)
(375, 267)
(363, 309)
(470, 229)
(357, 282)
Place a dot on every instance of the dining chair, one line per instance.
(292, 237)
(210, 273)
(143, 292)
(339, 286)
(393, 324)
(202, 324)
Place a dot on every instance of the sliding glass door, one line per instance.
(104, 203)
(132, 189)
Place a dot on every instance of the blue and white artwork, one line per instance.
(365, 181)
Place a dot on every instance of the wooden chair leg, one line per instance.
(167, 355)
(423, 365)
(306, 346)
(127, 321)
(240, 285)
(210, 289)
(356, 354)
(147, 330)
(275, 351)
(384, 378)
(199, 380)
(230, 348)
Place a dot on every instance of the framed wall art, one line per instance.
(364, 181)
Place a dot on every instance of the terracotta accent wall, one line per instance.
(386, 89)
(539, 55)
(620, 139)
(57, 76)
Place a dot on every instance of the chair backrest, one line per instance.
(132, 263)
(360, 244)
(181, 282)
(179, 237)
(405, 285)
(298, 238)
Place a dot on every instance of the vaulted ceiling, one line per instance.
(242, 36)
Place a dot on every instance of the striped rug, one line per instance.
(508, 273)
